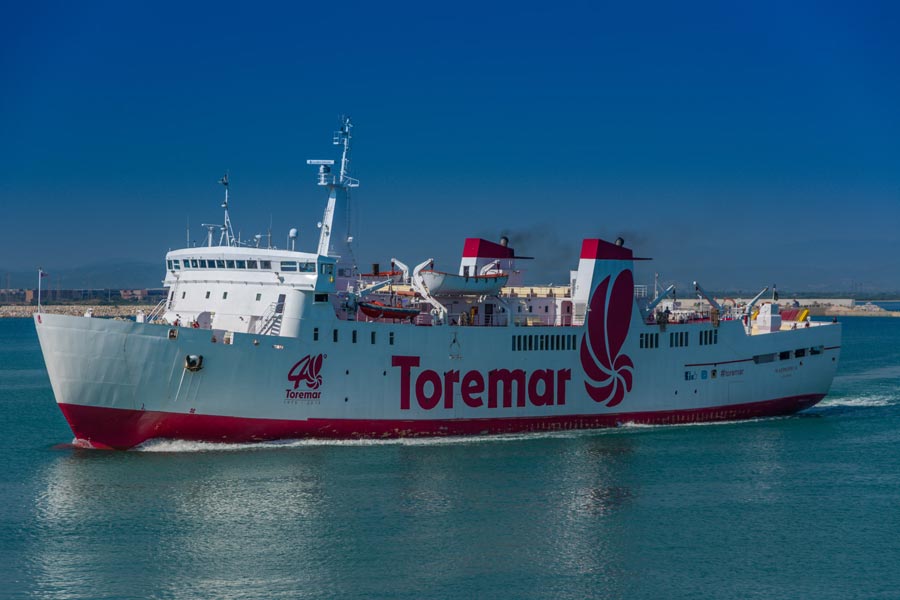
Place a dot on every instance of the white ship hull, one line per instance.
(121, 383)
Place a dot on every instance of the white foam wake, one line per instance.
(860, 401)
(161, 445)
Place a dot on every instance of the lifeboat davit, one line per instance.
(377, 310)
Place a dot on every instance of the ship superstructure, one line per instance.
(256, 343)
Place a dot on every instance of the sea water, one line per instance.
(799, 507)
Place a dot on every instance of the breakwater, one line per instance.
(15, 311)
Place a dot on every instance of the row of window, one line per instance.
(679, 339)
(287, 266)
(559, 341)
(547, 308)
(354, 336)
(224, 295)
(649, 340)
(708, 337)
(787, 354)
(202, 263)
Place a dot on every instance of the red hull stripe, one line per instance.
(121, 429)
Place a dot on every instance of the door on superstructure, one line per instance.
(566, 313)
(488, 314)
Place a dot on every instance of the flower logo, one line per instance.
(307, 370)
(607, 327)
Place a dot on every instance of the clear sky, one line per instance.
(741, 144)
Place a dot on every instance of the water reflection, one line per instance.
(391, 520)
(114, 523)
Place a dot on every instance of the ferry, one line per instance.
(255, 343)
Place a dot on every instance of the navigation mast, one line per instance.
(227, 231)
(335, 238)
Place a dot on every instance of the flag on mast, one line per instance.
(43, 273)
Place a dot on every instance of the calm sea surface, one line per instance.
(800, 507)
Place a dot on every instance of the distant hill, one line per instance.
(115, 275)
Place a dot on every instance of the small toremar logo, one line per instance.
(307, 371)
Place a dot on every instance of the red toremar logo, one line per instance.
(601, 347)
(307, 371)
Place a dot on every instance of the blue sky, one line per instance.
(740, 145)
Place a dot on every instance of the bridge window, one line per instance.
(220, 264)
(229, 264)
(786, 355)
(194, 263)
(251, 264)
(306, 267)
(240, 264)
(288, 266)
(265, 264)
